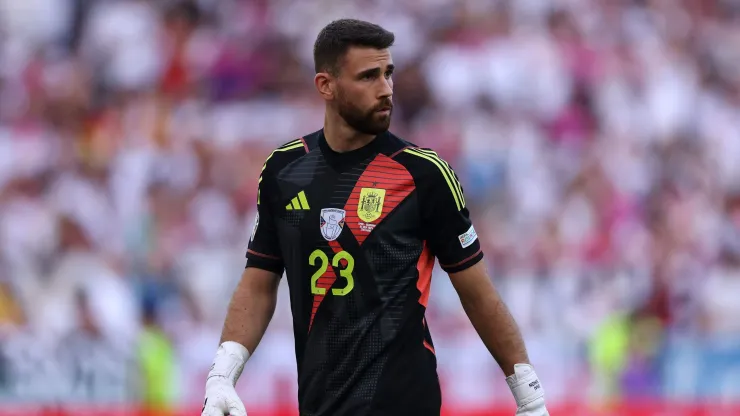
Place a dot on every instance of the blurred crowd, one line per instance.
(598, 143)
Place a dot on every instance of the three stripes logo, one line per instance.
(299, 202)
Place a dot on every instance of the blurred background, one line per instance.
(598, 143)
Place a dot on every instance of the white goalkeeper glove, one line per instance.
(527, 391)
(221, 398)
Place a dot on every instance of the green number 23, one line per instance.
(346, 272)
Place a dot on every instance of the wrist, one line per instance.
(525, 385)
(228, 363)
(216, 381)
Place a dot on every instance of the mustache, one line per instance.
(385, 105)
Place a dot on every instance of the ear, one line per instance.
(325, 85)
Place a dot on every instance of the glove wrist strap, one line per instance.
(524, 385)
(229, 362)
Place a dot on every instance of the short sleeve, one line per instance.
(446, 222)
(263, 251)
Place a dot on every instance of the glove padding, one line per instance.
(527, 391)
(221, 399)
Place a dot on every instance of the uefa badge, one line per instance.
(332, 223)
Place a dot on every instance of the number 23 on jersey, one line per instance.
(323, 260)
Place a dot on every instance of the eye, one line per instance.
(388, 74)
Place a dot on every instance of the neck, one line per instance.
(341, 137)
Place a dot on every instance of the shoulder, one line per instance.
(431, 172)
(419, 160)
(286, 153)
(423, 162)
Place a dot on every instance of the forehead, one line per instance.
(359, 59)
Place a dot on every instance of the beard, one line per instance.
(365, 121)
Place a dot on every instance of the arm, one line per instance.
(499, 332)
(253, 302)
(490, 317)
(453, 240)
(250, 310)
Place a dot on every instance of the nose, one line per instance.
(386, 88)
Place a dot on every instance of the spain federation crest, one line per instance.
(370, 206)
(332, 223)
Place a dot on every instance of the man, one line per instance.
(355, 216)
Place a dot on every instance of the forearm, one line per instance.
(491, 317)
(251, 308)
(498, 331)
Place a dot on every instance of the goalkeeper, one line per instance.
(355, 216)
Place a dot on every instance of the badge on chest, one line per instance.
(332, 223)
(370, 206)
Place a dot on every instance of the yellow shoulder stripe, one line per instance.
(447, 173)
(295, 144)
(452, 174)
(285, 148)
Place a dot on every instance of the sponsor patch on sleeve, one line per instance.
(468, 237)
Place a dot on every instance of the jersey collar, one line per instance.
(341, 161)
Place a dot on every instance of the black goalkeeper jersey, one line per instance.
(357, 234)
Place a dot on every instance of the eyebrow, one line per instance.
(375, 71)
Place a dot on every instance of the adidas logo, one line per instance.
(297, 203)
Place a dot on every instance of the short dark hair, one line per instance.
(337, 37)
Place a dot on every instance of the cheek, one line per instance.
(360, 98)
(350, 94)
